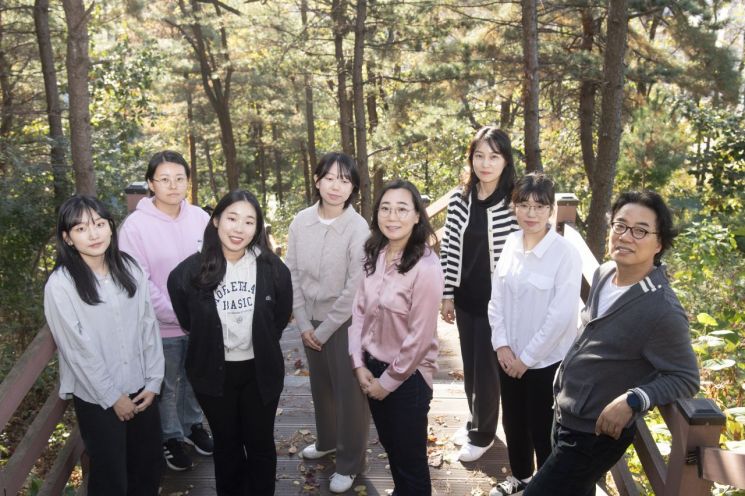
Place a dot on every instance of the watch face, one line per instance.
(633, 401)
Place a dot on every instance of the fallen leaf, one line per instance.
(279, 412)
(383, 456)
(304, 432)
(299, 363)
(292, 449)
(435, 460)
(302, 372)
(456, 374)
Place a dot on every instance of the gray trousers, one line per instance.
(342, 413)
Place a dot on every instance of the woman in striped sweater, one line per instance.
(478, 222)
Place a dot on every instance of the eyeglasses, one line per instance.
(179, 182)
(401, 212)
(636, 232)
(538, 209)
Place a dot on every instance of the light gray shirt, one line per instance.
(326, 266)
(105, 350)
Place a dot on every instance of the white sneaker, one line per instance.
(341, 483)
(310, 452)
(460, 437)
(471, 453)
(509, 486)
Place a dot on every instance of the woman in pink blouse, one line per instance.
(393, 337)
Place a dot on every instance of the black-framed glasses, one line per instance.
(636, 232)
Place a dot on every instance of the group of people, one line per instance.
(192, 307)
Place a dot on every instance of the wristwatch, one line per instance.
(633, 401)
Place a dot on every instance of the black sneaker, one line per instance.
(201, 440)
(175, 455)
(509, 486)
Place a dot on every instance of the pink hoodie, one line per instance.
(160, 243)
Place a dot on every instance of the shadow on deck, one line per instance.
(295, 428)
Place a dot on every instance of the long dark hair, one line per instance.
(71, 214)
(421, 236)
(347, 170)
(214, 264)
(499, 142)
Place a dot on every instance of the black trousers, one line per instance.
(242, 427)
(577, 461)
(527, 415)
(401, 422)
(126, 458)
(480, 376)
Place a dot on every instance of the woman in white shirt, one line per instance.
(97, 305)
(533, 316)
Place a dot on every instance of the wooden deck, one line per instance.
(295, 427)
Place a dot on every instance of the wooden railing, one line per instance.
(13, 390)
(695, 460)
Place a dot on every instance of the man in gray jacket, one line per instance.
(633, 352)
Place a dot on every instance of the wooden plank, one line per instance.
(649, 455)
(722, 466)
(441, 203)
(24, 373)
(59, 474)
(15, 471)
(589, 262)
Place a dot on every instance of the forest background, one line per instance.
(604, 96)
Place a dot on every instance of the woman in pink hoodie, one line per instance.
(160, 233)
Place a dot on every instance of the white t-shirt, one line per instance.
(235, 299)
(609, 293)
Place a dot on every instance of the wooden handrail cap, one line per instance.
(701, 411)
(136, 188)
(566, 199)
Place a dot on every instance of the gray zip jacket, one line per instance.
(642, 343)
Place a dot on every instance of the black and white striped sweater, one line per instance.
(501, 223)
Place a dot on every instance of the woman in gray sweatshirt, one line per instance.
(325, 256)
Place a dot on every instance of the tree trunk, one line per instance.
(610, 125)
(306, 172)
(210, 170)
(6, 91)
(505, 113)
(216, 87)
(51, 92)
(277, 159)
(359, 110)
(530, 86)
(192, 143)
(310, 123)
(78, 64)
(338, 14)
(587, 90)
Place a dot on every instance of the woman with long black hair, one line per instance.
(97, 305)
(478, 222)
(234, 299)
(393, 338)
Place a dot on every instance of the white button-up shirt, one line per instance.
(534, 301)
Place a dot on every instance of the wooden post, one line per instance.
(694, 424)
(135, 192)
(565, 211)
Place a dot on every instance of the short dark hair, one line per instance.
(347, 170)
(666, 231)
(499, 142)
(163, 157)
(422, 236)
(535, 185)
(214, 264)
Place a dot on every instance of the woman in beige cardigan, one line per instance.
(324, 254)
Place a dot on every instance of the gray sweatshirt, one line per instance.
(641, 343)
